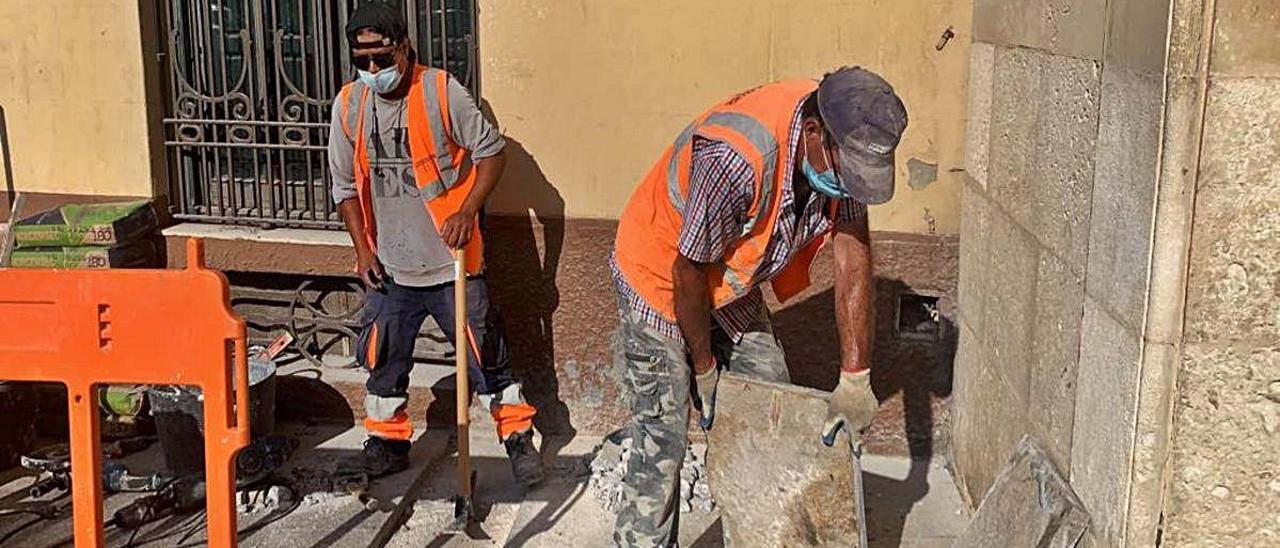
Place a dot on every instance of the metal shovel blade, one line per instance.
(463, 511)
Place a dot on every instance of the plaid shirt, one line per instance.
(721, 188)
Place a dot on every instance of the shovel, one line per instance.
(462, 506)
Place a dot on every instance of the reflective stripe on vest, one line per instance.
(757, 124)
(434, 82)
(735, 282)
(673, 169)
(755, 133)
(354, 96)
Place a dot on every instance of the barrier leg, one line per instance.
(227, 430)
(86, 464)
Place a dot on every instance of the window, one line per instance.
(250, 84)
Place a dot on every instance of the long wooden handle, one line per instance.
(464, 385)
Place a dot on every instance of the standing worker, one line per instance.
(747, 194)
(413, 161)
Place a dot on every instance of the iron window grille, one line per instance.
(250, 86)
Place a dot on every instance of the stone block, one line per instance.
(1235, 262)
(775, 482)
(1124, 192)
(1225, 484)
(1139, 35)
(1062, 173)
(1015, 108)
(978, 127)
(1010, 305)
(1244, 42)
(975, 259)
(1030, 504)
(1229, 386)
(1071, 28)
(1102, 442)
(1160, 364)
(1171, 231)
(1059, 305)
(983, 434)
(1043, 130)
(1185, 31)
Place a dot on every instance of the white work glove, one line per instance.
(853, 405)
(705, 394)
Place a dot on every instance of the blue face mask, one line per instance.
(824, 182)
(385, 81)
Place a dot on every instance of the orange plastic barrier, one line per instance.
(90, 327)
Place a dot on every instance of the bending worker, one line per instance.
(413, 161)
(747, 195)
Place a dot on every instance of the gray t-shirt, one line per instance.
(409, 246)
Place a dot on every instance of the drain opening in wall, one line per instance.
(918, 317)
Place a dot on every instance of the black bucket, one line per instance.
(179, 417)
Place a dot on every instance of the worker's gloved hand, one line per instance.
(852, 406)
(705, 394)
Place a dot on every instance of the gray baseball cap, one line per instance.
(864, 119)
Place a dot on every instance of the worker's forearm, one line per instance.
(353, 218)
(693, 310)
(855, 318)
(488, 171)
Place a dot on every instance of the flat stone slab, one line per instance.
(1028, 505)
(774, 480)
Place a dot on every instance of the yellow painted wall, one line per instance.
(593, 90)
(71, 86)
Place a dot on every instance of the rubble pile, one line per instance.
(608, 463)
(263, 500)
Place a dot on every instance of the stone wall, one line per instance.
(1118, 285)
(1225, 482)
(1056, 244)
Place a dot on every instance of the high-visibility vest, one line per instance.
(757, 124)
(442, 169)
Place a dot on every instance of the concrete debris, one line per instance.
(263, 500)
(318, 497)
(279, 496)
(607, 463)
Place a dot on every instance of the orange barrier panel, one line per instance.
(90, 327)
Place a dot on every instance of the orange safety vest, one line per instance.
(757, 124)
(442, 169)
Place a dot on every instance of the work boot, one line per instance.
(383, 456)
(526, 463)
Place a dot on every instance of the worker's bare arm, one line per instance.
(693, 309)
(367, 265)
(853, 290)
(456, 230)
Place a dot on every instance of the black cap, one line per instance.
(866, 120)
(380, 16)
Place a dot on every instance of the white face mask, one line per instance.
(385, 81)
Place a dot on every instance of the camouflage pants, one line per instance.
(658, 377)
